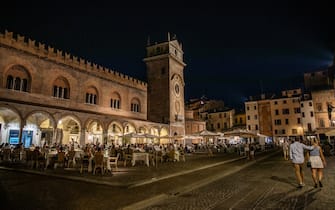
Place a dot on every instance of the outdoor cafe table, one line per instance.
(140, 156)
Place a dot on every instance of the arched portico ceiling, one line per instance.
(129, 128)
(9, 115)
(94, 126)
(70, 123)
(143, 129)
(42, 119)
(115, 126)
(154, 130)
(164, 131)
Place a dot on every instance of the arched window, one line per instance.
(18, 78)
(61, 88)
(115, 101)
(91, 96)
(135, 105)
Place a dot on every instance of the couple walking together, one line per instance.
(315, 156)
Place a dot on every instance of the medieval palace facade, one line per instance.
(51, 96)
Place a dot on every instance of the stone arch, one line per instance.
(154, 130)
(165, 135)
(115, 133)
(95, 130)
(164, 131)
(17, 77)
(10, 124)
(68, 130)
(129, 128)
(143, 129)
(39, 125)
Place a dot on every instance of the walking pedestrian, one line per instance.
(286, 149)
(247, 150)
(297, 157)
(318, 162)
(252, 151)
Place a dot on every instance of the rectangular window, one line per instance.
(286, 121)
(297, 110)
(276, 112)
(286, 111)
(312, 114)
(278, 122)
(319, 107)
(321, 123)
(298, 120)
(303, 114)
(309, 127)
(294, 131)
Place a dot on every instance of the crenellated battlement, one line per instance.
(41, 50)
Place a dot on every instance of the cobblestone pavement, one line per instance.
(267, 184)
(224, 181)
(133, 175)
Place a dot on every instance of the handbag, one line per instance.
(309, 164)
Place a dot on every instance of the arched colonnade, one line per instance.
(38, 126)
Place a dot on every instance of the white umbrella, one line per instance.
(135, 135)
(206, 133)
(241, 133)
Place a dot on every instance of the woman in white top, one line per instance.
(318, 162)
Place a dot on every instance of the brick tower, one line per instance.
(165, 75)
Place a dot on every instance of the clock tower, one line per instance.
(165, 76)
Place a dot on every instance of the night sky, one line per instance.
(231, 50)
